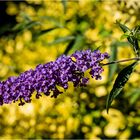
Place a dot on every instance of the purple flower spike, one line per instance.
(49, 77)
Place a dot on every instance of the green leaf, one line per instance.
(70, 45)
(32, 24)
(137, 35)
(123, 27)
(136, 29)
(131, 36)
(125, 35)
(135, 39)
(51, 19)
(113, 56)
(132, 40)
(45, 31)
(25, 16)
(75, 44)
(61, 39)
(42, 32)
(25, 25)
(136, 47)
(120, 81)
(127, 32)
(19, 26)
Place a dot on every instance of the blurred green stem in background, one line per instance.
(124, 60)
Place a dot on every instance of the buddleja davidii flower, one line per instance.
(17, 88)
(48, 77)
(6, 90)
(90, 60)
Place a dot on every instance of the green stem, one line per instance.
(124, 60)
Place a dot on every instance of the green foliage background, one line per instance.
(45, 30)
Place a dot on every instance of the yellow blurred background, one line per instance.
(44, 30)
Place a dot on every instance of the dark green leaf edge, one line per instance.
(120, 81)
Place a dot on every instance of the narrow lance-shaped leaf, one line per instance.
(126, 30)
(120, 81)
(123, 27)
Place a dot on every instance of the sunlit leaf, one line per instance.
(120, 81)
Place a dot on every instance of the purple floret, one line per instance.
(46, 78)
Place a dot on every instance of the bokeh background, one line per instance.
(38, 31)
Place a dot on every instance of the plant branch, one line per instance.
(119, 61)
